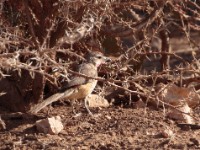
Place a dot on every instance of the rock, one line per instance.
(97, 101)
(167, 133)
(176, 96)
(139, 104)
(108, 117)
(183, 116)
(51, 125)
(182, 99)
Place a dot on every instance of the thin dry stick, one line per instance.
(164, 53)
(2, 124)
(31, 28)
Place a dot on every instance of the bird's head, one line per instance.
(97, 58)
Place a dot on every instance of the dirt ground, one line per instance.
(115, 128)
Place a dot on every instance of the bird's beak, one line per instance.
(107, 60)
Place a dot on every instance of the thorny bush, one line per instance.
(41, 40)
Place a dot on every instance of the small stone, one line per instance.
(182, 117)
(97, 101)
(108, 117)
(130, 139)
(139, 104)
(167, 133)
(51, 125)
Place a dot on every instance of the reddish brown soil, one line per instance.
(116, 128)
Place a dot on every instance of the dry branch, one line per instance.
(41, 36)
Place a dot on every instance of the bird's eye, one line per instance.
(99, 57)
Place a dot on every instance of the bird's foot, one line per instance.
(89, 112)
(77, 115)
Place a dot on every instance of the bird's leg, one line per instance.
(73, 109)
(87, 107)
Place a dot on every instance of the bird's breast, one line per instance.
(84, 90)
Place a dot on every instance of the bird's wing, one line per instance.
(87, 69)
(75, 82)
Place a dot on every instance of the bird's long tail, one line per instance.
(50, 100)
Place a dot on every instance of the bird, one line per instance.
(79, 87)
